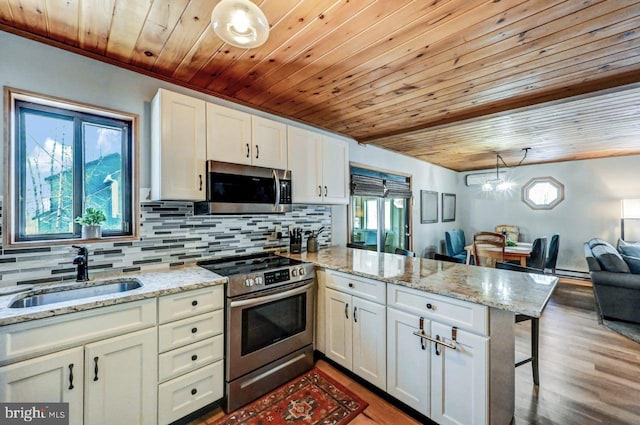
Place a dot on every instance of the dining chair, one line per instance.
(442, 257)
(488, 247)
(511, 231)
(552, 256)
(406, 252)
(538, 254)
(455, 242)
(535, 324)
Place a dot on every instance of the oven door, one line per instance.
(265, 327)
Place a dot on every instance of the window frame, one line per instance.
(13, 172)
(538, 180)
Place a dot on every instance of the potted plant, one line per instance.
(91, 221)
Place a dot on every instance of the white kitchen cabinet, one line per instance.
(191, 351)
(178, 147)
(56, 377)
(121, 380)
(355, 327)
(459, 384)
(241, 138)
(450, 386)
(408, 366)
(228, 135)
(319, 166)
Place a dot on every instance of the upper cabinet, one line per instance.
(319, 167)
(241, 138)
(178, 147)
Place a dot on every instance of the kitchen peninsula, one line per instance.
(437, 336)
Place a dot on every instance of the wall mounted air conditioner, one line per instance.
(478, 179)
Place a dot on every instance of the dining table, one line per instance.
(520, 252)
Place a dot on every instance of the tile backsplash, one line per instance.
(170, 235)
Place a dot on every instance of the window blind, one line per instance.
(362, 185)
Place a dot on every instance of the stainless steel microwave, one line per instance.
(238, 189)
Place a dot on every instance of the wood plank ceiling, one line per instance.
(438, 80)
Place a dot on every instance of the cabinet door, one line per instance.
(407, 360)
(178, 145)
(459, 384)
(304, 163)
(369, 342)
(228, 135)
(339, 330)
(55, 377)
(335, 171)
(269, 143)
(121, 379)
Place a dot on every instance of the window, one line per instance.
(542, 193)
(65, 159)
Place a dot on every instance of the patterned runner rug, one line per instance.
(312, 398)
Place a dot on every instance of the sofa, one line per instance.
(615, 274)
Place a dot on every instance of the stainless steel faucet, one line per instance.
(82, 261)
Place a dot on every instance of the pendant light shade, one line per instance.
(240, 23)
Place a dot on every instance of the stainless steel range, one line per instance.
(269, 323)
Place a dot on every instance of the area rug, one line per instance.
(312, 398)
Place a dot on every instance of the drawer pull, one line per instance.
(429, 306)
(194, 330)
(194, 358)
(194, 303)
(194, 391)
(71, 376)
(95, 369)
(351, 285)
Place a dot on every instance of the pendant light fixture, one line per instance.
(240, 23)
(499, 184)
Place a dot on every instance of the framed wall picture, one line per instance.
(448, 207)
(428, 206)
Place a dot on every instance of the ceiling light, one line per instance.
(501, 184)
(240, 23)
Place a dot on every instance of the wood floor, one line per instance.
(588, 373)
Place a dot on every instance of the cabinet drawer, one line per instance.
(182, 360)
(185, 331)
(369, 289)
(24, 340)
(462, 314)
(190, 392)
(187, 304)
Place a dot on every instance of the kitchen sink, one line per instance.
(75, 293)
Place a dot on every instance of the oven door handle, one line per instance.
(267, 298)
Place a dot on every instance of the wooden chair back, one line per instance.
(488, 247)
(510, 230)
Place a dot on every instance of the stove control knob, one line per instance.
(259, 280)
(301, 271)
(248, 282)
(294, 272)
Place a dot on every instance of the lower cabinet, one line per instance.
(56, 377)
(120, 377)
(354, 335)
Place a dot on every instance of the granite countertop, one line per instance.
(154, 283)
(518, 292)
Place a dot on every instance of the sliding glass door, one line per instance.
(378, 220)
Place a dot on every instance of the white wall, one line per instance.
(424, 176)
(591, 208)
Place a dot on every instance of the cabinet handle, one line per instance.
(436, 345)
(346, 310)
(257, 151)
(423, 342)
(248, 150)
(319, 191)
(95, 369)
(200, 177)
(194, 330)
(429, 306)
(325, 191)
(194, 303)
(355, 314)
(194, 358)
(71, 376)
(194, 391)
